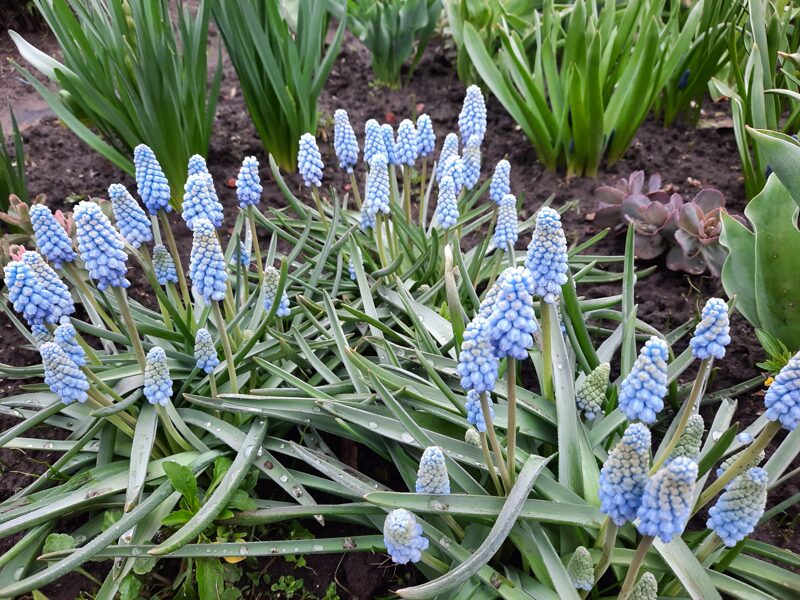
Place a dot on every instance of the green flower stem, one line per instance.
(633, 568)
(147, 264)
(97, 401)
(395, 189)
(226, 346)
(547, 352)
(156, 229)
(698, 388)
(212, 382)
(493, 222)
(320, 210)
(609, 531)
(511, 440)
(172, 433)
(176, 258)
(356, 193)
(251, 218)
(498, 451)
(378, 232)
(133, 332)
(512, 257)
(87, 295)
(422, 185)
(407, 191)
(707, 547)
(487, 458)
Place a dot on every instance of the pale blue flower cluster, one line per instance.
(501, 181)
(373, 141)
(198, 201)
(131, 220)
(641, 394)
(739, 508)
(351, 267)
(590, 396)
(477, 364)
(344, 141)
(206, 262)
(783, 396)
(64, 336)
(157, 382)
(40, 334)
(63, 376)
(388, 142)
(248, 183)
(100, 246)
(205, 354)
(449, 150)
(624, 474)
(432, 477)
(27, 294)
(406, 149)
(475, 410)
(426, 138)
(667, 500)
(60, 298)
(512, 322)
(51, 238)
(547, 255)
(151, 183)
(163, 265)
(197, 165)
(472, 119)
(447, 204)
(454, 168)
(580, 569)
(712, 334)
(506, 232)
(309, 161)
(272, 278)
(242, 255)
(403, 537)
(472, 162)
(376, 198)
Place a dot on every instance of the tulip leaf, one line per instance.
(782, 153)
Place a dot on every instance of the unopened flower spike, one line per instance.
(506, 232)
(472, 119)
(501, 181)
(60, 297)
(449, 150)
(745, 438)
(388, 142)
(580, 569)
(592, 393)
(344, 141)
(272, 278)
(447, 204)
(641, 395)
(157, 382)
(163, 265)
(248, 183)
(740, 507)
(151, 183)
(405, 148)
(624, 474)
(475, 410)
(205, 354)
(692, 437)
(512, 322)
(547, 255)
(783, 396)
(712, 334)
(40, 334)
(27, 294)
(403, 537)
(472, 162)
(667, 500)
(426, 138)
(373, 141)
(207, 263)
(131, 220)
(477, 364)
(51, 238)
(199, 203)
(645, 589)
(100, 246)
(432, 477)
(377, 194)
(63, 376)
(755, 461)
(309, 161)
(472, 437)
(64, 336)
(351, 267)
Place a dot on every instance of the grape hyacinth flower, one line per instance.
(64, 336)
(624, 474)
(472, 437)
(641, 394)
(783, 396)
(745, 438)
(454, 167)
(60, 298)
(403, 537)
(712, 333)
(40, 334)
(472, 162)
(754, 461)
(373, 141)
(205, 354)
(309, 161)
(344, 141)
(477, 364)
(645, 589)
(667, 500)
(426, 138)
(152, 184)
(27, 294)
(449, 150)
(406, 147)
(387, 132)
(272, 278)
(501, 181)
(206, 262)
(472, 119)
(377, 194)
(740, 507)
(197, 166)
(198, 202)
(157, 382)
(580, 569)
(248, 183)
(101, 247)
(691, 438)
(512, 322)
(432, 477)
(475, 410)
(447, 204)
(51, 238)
(242, 255)
(63, 376)
(592, 393)
(506, 231)
(163, 265)
(547, 255)
(131, 220)
(351, 267)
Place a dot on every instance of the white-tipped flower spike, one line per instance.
(475, 410)
(449, 149)
(131, 220)
(100, 246)
(376, 198)
(248, 183)
(64, 336)
(205, 354)
(309, 161)
(344, 141)
(152, 185)
(547, 255)
(624, 474)
(512, 322)
(272, 278)
(426, 138)
(739, 508)
(373, 141)
(40, 334)
(641, 395)
(51, 238)
(206, 262)
(645, 589)
(711, 335)
(432, 475)
(27, 294)
(783, 396)
(157, 382)
(60, 299)
(667, 500)
(691, 438)
(163, 265)
(506, 231)
(447, 204)
(472, 162)
(755, 461)
(592, 393)
(580, 569)
(501, 181)
(63, 376)
(477, 364)
(406, 149)
(472, 437)
(388, 142)
(198, 201)
(403, 537)
(472, 119)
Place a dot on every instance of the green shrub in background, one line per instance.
(12, 167)
(130, 76)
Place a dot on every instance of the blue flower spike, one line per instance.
(131, 219)
(27, 294)
(426, 138)
(547, 255)
(403, 537)
(64, 336)
(242, 255)
(351, 267)
(199, 202)
(580, 569)
(454, 168)
(477, 364)
(373, 141)
(406, 148)
(40, 334)
(512, 322)
(309, 161)
(475, 410)
(376, 198)
(447, 204)
(712, 334)
(449, 150)
(624, 474)
(641, 395)
(101, 247)
(432, 477)
(157, 382)
(272, 278)
(205, 354)
(248, 183)
(506, 232)
(197, 165)
(163, 265)
(60, 298)
(387, 131)
(472, 162)
(51, 238)
(207, 263)
(472, 119)
(501, 181)
(667, 500)
(152, 184)
(591, 395)
(783, 396)
(63, 376)
(691, 439)
(344, 141)
(740, 507)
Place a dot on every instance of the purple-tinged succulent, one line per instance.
(610, 197)
(654, 218)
